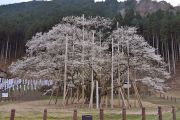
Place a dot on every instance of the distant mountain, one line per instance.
(145, 7)
(177, 8)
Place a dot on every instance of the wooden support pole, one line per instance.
(124, 117)
(159, 113)
(123, 99)
(128, 102)
(97, 95)
(83, 56)
(173, 113)
(75, 115)
(45, 114)
(137, 94)
(101, 114)
(143, 113)
(112, 75)
(65, 71)
(12, 114)
(92, 75)
(51, 97)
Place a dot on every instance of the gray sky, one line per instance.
(12, 1)
(173, 2)
(2, 2)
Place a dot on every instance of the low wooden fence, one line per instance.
(166, 97)
(101, 114)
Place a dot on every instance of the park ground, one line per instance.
(33, 110)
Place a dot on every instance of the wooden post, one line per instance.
(65, 71)
(143, 113)
(92, 75)
(159, 113)
(173, 113)
(12, 114)
(75, 115)
(45, 114)
(128, 72)
(124, 114)
(97, 95)
(101, 115)
(83, 56)
(112, 75)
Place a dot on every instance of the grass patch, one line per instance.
(61, 116)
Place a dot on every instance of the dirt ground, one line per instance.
(40, 105)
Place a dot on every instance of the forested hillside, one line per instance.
(160, 27)
(19, 22)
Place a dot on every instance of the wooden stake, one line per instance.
(159, 113)
(12, 114)
(101, 115)
(143, 113)
(45, 114)
(173, 113)
(75, 115)
(124, 114)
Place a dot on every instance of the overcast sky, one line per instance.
(173, 2)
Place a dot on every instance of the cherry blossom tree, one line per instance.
(79, 52)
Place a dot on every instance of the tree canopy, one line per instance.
(78, 46)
